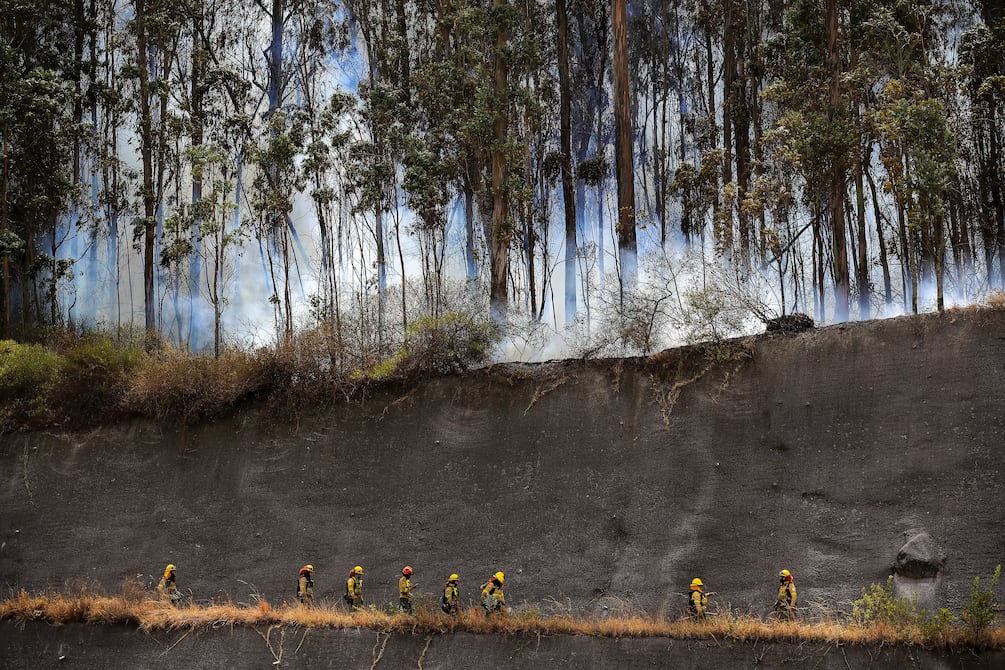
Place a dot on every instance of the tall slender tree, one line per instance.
(568, 193)
(623, 155)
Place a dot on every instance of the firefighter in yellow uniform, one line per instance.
(785, 605)
(305, 585)
(493, 599)
(168, 585)
(451, 600)
(405, 590)
(354, 587)
(697, 602)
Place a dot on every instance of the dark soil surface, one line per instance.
(39, 646)
(593, 485)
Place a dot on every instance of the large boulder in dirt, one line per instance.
(917, 571)
(920, 557)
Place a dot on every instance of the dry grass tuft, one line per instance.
(995, 300)
(154, 615)
(174, 385)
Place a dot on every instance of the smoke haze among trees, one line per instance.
(205, 169)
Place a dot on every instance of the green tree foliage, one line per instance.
(366, 149)
(36, 182)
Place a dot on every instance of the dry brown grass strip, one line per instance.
(155, 615)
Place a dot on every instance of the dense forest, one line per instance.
(622, 168)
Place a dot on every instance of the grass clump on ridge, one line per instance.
(154, 615)
(177, 385)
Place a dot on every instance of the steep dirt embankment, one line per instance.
(121, 647)
(821, 453)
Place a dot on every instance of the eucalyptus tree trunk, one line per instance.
(500, 173)
(864, 291)
(568, 194)
(469, 233)
(199, 64)
(5, 270)
(724, 224)
(600, 31)
(740, 103)
(837, 178)
(880, 237)
(146, 155)
(623, 158)
(275, 56)
(862, 267)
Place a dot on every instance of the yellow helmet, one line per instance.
(170, 567)
(453, 577)
(501, 576)
(784, 573)
(697, 582)
(358, 569)
(309, 568)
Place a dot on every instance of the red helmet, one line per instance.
(407, 570)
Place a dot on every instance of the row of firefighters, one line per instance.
(493, 600)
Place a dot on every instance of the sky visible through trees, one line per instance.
(634, 172)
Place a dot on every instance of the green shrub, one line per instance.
(938, 628)
(95, 376)
(982, 608)
(28, 375)
(451, 343)
(879, 604)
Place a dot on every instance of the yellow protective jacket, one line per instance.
(450, 596)
(168, 584)
(354, 589)
(787, 594)
(491, 589)
(697, 603)
(405, 588)
(305, 585)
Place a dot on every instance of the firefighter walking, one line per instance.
(785, 604)
(451, 602)
(168, 585)
(305, 585)
(405, 590)
(493, 599)
(354, 587)
(697, 602)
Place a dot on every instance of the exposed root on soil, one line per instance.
(302, 638)
(177, 642)
(543, 390)
(429, 640)
(617, 370)
(667, 396)
(154, 615)
(267, 636)
(397, 401)
(377, 655)
(674, 370)
(27, 486)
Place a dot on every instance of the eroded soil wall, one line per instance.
(585, 482)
